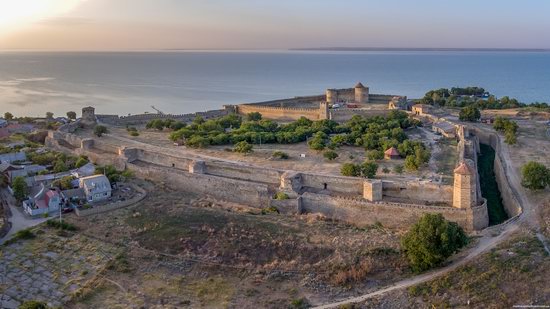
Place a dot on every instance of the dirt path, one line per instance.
(487, 242)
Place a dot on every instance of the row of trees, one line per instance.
(367, 169)
(49, 115)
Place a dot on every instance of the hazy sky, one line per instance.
(198, 24)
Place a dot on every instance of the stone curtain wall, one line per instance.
(344, 114)
(418, 191)
(392, 215)
(280, 113)
(145, 118)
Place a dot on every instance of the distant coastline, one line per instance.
(358, 49)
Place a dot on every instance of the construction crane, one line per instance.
(158, 110)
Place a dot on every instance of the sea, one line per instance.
(33, 83)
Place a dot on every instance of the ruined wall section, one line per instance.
(280, 113)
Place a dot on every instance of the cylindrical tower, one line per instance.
(361, 93)
(332, 96)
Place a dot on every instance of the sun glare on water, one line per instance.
(19, 13)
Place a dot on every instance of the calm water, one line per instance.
(33, 83)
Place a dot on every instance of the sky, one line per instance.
(272, 24)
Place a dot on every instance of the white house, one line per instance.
(97, 188)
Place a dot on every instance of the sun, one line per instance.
(16, 13)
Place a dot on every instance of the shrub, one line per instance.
(134, 133)
(330, 155)
(20, 189)
(81, 162)
(33, 304)
(350, 169)
(280, 155)
(469, 113)
(100, 130)
(254, 116)
(243, 147)
(61, 225)
(535, 176)
(432, 240)
(281, 196)
(300, 303)
(270, 210)
(368, 169)
(385, 170)
(198, 142)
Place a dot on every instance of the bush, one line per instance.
(281, 196)
(280, 155)
(270, 210)
(100, 130)
(375, 155)
(398, 169)
(243, 147)
(330, 155)
(134, 133)
(469, 113)
(431, 241)
(350, 169)
(20, 189)
(254, 116)
(300, 303)
(535, 176)
(81, 162)
(368, 169)
(33, 304)
(61, 225)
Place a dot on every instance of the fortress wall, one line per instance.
(392, 215)
(509, 195)
(290, 102)
(418, 191)
(249, 173)
(381, 98)
(144, 118)
(247, 193)
(344, 114)
(104, 146)
(352, 185)
(280, 113)
(162, 159)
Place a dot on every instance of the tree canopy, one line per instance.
(469, 113)
(535, 176)
(431, 241)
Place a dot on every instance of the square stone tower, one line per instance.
(464, 191)
(88, 116)
(361, 94)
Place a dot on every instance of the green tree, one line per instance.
(375, 154)
(398, 169)
(254, 116)
(20, 189)
(469, 113)
(8, 116)
(49, 115)
(198, 142)
(100, 130)
(350, 169)
(280, 155)
(431, 241)
(243, 147)
(60, 167)
(81, 162)
(535, 176)
(410, 163)
(510, 138)
(368, 169)
(330, 155)
(71, 115)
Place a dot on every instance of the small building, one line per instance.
(392, 154)
(421, 109)
(46, 201)
(97, 188)
(400, 103)
(444, 128)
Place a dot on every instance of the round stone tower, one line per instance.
(332, 96)
(361, 93)
(88, 116)
(464, 191)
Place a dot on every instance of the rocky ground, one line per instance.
(51, 266)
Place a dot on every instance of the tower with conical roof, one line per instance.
(464, 191)
(361, 93)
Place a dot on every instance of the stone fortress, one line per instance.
(349, 199)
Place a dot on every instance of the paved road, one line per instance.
(18, 220)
